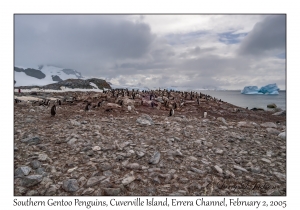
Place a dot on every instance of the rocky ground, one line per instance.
(233, 151)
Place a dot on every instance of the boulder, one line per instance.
(272, 105)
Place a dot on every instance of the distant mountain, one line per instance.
(43, 75)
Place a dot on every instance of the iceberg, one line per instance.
(271, 89)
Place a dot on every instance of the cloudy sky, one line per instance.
(224, 51)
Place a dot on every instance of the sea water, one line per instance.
(259, 101)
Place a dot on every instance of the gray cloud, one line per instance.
(267, 37)
(128, 52)
(78, 40)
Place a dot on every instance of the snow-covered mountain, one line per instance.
(43, 75)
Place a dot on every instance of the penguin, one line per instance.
(171, 112)
(152, 104)
(88, 107)
(205, 114)
(53, 110)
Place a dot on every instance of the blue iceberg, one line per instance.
(271, 89)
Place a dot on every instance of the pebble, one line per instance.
(70, 185)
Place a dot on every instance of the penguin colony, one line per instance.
(114, 99)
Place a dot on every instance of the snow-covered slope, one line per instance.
(23, 79)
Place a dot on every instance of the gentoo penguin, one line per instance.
(171, 112)
(152, 104)
(88, 107)
(205, 114)
(53, 110)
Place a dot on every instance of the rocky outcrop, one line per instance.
(31, 72)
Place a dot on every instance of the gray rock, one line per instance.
(272, 105)
(22, 171)
(240, 168)
(128, 180)
(88, 191)
(269, 125)
(266, 160)
(70, 185)
(145, 120)
(133, 166)
(35, 164)
(51, 191)
(222, 120)
(282, 113)
(282, 135)
(196, 170)
(32, 193)
(140, 154)
(105, 166)
(155, 158)
(41, 171)
(255, 170)
(94, 181)
(218, 169)
(273, 131)
(29, 181)
(280, 176)
(112, 191)
(31, 140)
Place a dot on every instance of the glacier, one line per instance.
(270, 89)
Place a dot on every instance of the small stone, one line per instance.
(42, 157)
(266, 160)
(139, 154)
(273, 192)
(192, 158)
(280, 176)
(31, 140)
(94, 180)
(29, 181)
(32, 193)
(72, 141)
(112, 191)
(219, 151)
(70, 185)
(133, 166)
(282, 135)
(218, 169)
(196, 170)
(51, 191)
(273, 131)
(88, 191)
(22, 171)
(128, 180)
(105, 166)
(240, 168)
(155, 158)
(269, 125)
(96, 148)
(35, 164)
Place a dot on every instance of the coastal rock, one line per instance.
(272, 105)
